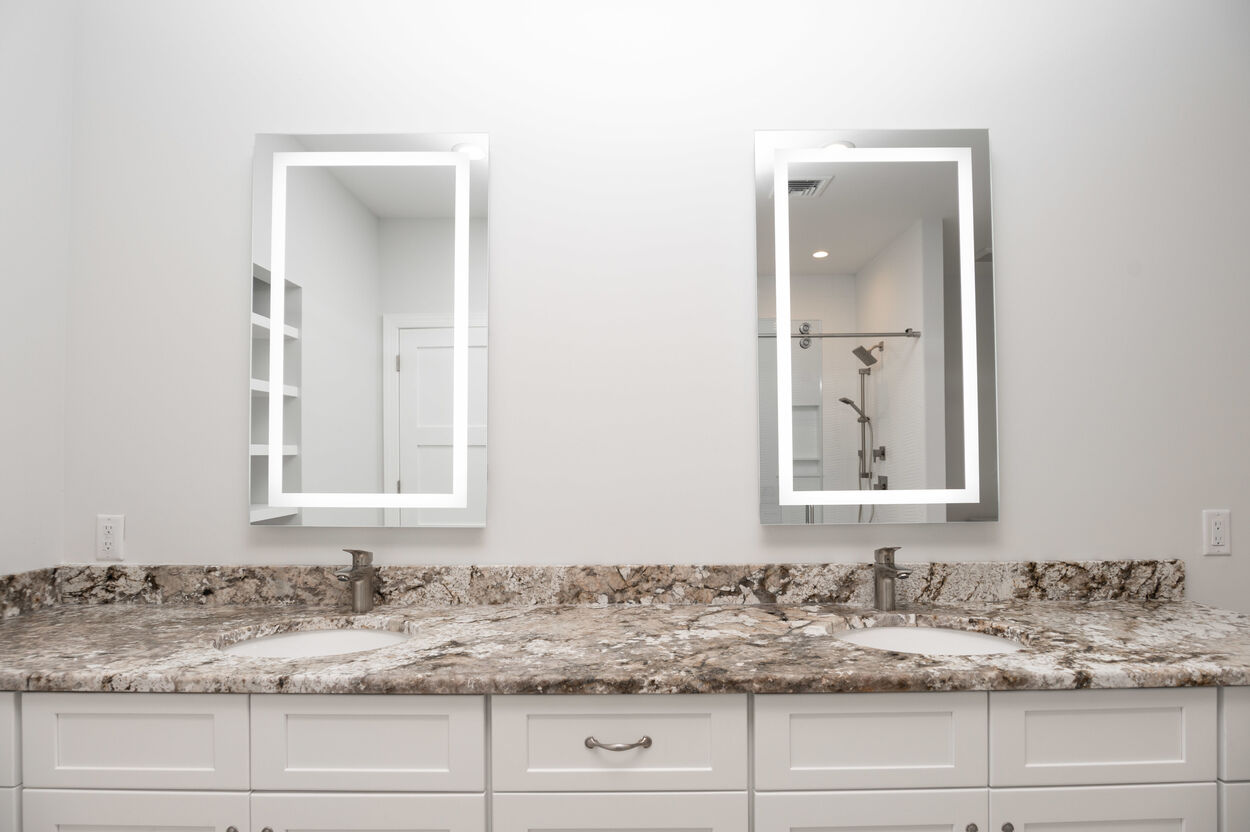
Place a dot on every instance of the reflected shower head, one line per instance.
(865, 355)
(851, 403)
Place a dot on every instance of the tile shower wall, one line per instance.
(623, 302)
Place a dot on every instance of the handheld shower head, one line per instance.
(863, 417)
(865, 355)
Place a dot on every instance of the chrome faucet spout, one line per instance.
(361, 577)
(884, 575)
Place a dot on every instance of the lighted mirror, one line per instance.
(368, 330)
(876, 327)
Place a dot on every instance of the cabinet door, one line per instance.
(192, 741)
(937, 810)
(10, 740)
(59, 810)
(369, 743)
(372, 812)
(1102, 737)
(1235, 733)
(870, 741)
(10, 808)
(1184, 807)
(621, 812)
(1234, 807)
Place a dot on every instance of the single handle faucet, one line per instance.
(360, 575)
(884, 574)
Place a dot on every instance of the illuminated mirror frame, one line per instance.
(971, 492)
(458, 497)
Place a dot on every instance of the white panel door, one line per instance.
(10, 740)
(696, 742)
(368, 743)
(56, 810)
(135, 741)
(944, 810)
(369, 812)
(10, 809)
(1178, 807)
(1235, 734)
(1234, 807)
(621, 812)
(1094, 737)
(870, 741)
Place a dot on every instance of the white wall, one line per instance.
(36, 74)
(623, 423)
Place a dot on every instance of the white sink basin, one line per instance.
(931, 641)
(311, 643)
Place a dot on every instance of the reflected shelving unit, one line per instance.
(258, 448)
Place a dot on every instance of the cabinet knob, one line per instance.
(972, 827)
(232, 829)
(1009, 827)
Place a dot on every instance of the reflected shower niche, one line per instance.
(876, 392)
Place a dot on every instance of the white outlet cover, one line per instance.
(110, 537)
(1217, 532)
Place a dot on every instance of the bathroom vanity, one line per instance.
(1114, 715)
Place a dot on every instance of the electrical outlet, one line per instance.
(1217, 532)
(110, 536)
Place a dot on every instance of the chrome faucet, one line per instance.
(360, 575)
(884, 574)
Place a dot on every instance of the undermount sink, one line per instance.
(930, 641)
(311, 643)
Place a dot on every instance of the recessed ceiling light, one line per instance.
(820, 255)
(471, 150)
(840, 145)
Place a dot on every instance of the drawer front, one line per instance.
(55, 810)
(1234, 807)
(698, 742)
(10, 810)
(946, 810)
(1182, 807)
(10, 740)
(870, 741)
(611, 812)
(368, 743)
(135, 741)
(1235, 734)
(371, 812)
(1097, 737)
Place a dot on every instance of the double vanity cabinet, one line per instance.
(1137, 760)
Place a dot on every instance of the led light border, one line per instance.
(971, 492)
(459, 495)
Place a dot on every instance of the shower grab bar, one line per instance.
(907, 333)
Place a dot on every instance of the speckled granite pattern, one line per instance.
(440, 586)
(27, 591)
(691, 648)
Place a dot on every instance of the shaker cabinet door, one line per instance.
(300, 812)
(1178, 807)
(917, 810)
(61, 810)
(621, 812)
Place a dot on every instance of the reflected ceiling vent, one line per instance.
(809, 188)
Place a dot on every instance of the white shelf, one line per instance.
(259, 513)
(261, 326)
(260, 386)
(263, 450)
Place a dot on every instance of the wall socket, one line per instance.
(1217, 532)
(110, 536)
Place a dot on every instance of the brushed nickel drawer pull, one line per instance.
(591, 742)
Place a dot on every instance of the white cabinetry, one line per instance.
(368, 743)
(1052, 738)
(1235, 733)
(870, 741)
(135, 741)
(621, 812)
(372, 812)
(1234, 807)
(680, 743)
(941, 810)
(56, 810)
(10, 740)
(10, 809)
(1182, 807)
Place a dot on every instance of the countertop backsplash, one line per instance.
(443, 586)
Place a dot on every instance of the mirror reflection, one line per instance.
(370, 408)
(876, 244)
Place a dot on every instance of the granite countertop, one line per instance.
(656, 648)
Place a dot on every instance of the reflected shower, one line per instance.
(865, 355)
